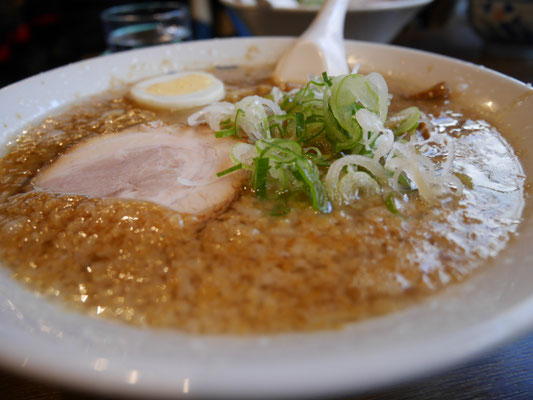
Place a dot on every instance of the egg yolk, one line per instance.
(183, 85)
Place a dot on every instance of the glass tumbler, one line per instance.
(138, 25)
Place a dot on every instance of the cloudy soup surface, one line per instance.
(297, 232)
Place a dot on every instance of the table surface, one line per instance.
(506, 373)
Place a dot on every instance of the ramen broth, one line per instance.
(243, 270)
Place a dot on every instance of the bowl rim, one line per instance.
(378, 5)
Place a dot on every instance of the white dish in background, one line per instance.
(370, 20)
(40, 339)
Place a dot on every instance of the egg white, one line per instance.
(201, 97)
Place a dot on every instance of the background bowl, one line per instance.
(508, 21)
(376, 21)
(505, 25)
(43, 340)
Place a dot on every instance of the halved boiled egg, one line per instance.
(178, 91)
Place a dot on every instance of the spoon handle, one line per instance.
(329, 21)
(319, 49)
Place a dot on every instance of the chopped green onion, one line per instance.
(389, 202)
(315, 132)
(225, 133)
(326, 79)
(259, 177)
(404, 181)
(243, 153)
(404, 121)
(347, 145)
(300, 124)
(240, 113)
(226, 123)
(316, 190)
(229, 170)
(349, 94)
(279, 150)
(334, 132)
(231, 130)
(317, 158)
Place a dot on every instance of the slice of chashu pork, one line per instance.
(172, 166)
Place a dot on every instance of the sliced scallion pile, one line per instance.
(333, 140)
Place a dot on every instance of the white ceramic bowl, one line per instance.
(40, 339)
(374, 20)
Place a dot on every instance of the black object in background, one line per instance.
(37, 35)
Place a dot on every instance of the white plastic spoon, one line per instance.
(279, 3)
(320, 48)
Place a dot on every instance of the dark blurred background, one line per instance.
(38, 35)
